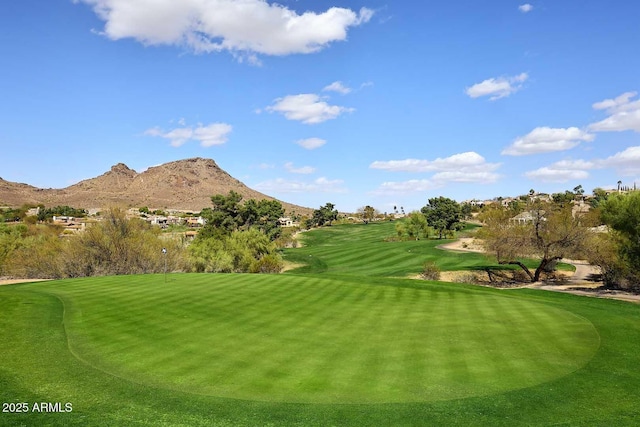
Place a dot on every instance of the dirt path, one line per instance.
(16, 281)
(585, 272)
(463, 244)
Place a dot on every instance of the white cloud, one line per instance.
(545, 140)
(404, 187)
(623, 114)
(301, 170)
(619, 122)
(496, 88)
(320, 185)
(246, 27)
(478, 177)
(307, 108)
(463, 167)
(311, 143)
(562, 171)
(213, 134)
(525, 8)
(209, 135)
(469, 161)
(337, 87)
(626, 162)
(614, 105)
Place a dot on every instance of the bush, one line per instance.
(271, 263)
(248, 251)
(430, 271)
(470, 277)
(115, 245)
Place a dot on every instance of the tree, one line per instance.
(413, 227)
(47, 214)
(443, 214)
(563, 198)
(599, 196)
(224, 217)
(621, 212)
(325, 215)
(242, 251)
(11, 238)
(367, 213)
(517, 206)
(229, 214)
(549, 233)
(603, 251)
(13, 214)
(263, 214)
(466, 210)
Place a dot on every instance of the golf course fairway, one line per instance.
(300, 339)
(343, 339)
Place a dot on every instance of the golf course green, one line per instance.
(341, 340)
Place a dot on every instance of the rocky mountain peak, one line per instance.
(182, 184)
(122, 169)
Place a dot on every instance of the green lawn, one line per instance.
(362, 250)
(350, 346)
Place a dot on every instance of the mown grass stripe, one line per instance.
(327, 340)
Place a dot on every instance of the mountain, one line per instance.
(184, 185)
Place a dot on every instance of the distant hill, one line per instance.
(184, 184)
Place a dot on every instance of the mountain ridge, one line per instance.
(186, 184)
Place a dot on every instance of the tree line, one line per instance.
(607, 235)
(440, 217)
(239, 236)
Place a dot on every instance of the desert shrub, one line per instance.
(37, 257)
(469, 277)
(11, 238)
(287, 238)
(271, 263)
(430, 271)
(117, 245)
(413, 227)
(240, 252)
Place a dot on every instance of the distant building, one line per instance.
(196, 221)
(523, 218)
(287, 222)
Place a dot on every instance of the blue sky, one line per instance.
(313, 101)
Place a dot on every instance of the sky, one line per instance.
(360, 102)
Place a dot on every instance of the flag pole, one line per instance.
(164, 252)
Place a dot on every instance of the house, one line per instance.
(159, 220)
(523, 218)
(191, 234)
(70, 224)
(287, 222)
(196, 221)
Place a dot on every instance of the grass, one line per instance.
(337, 348)
(362, 250)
